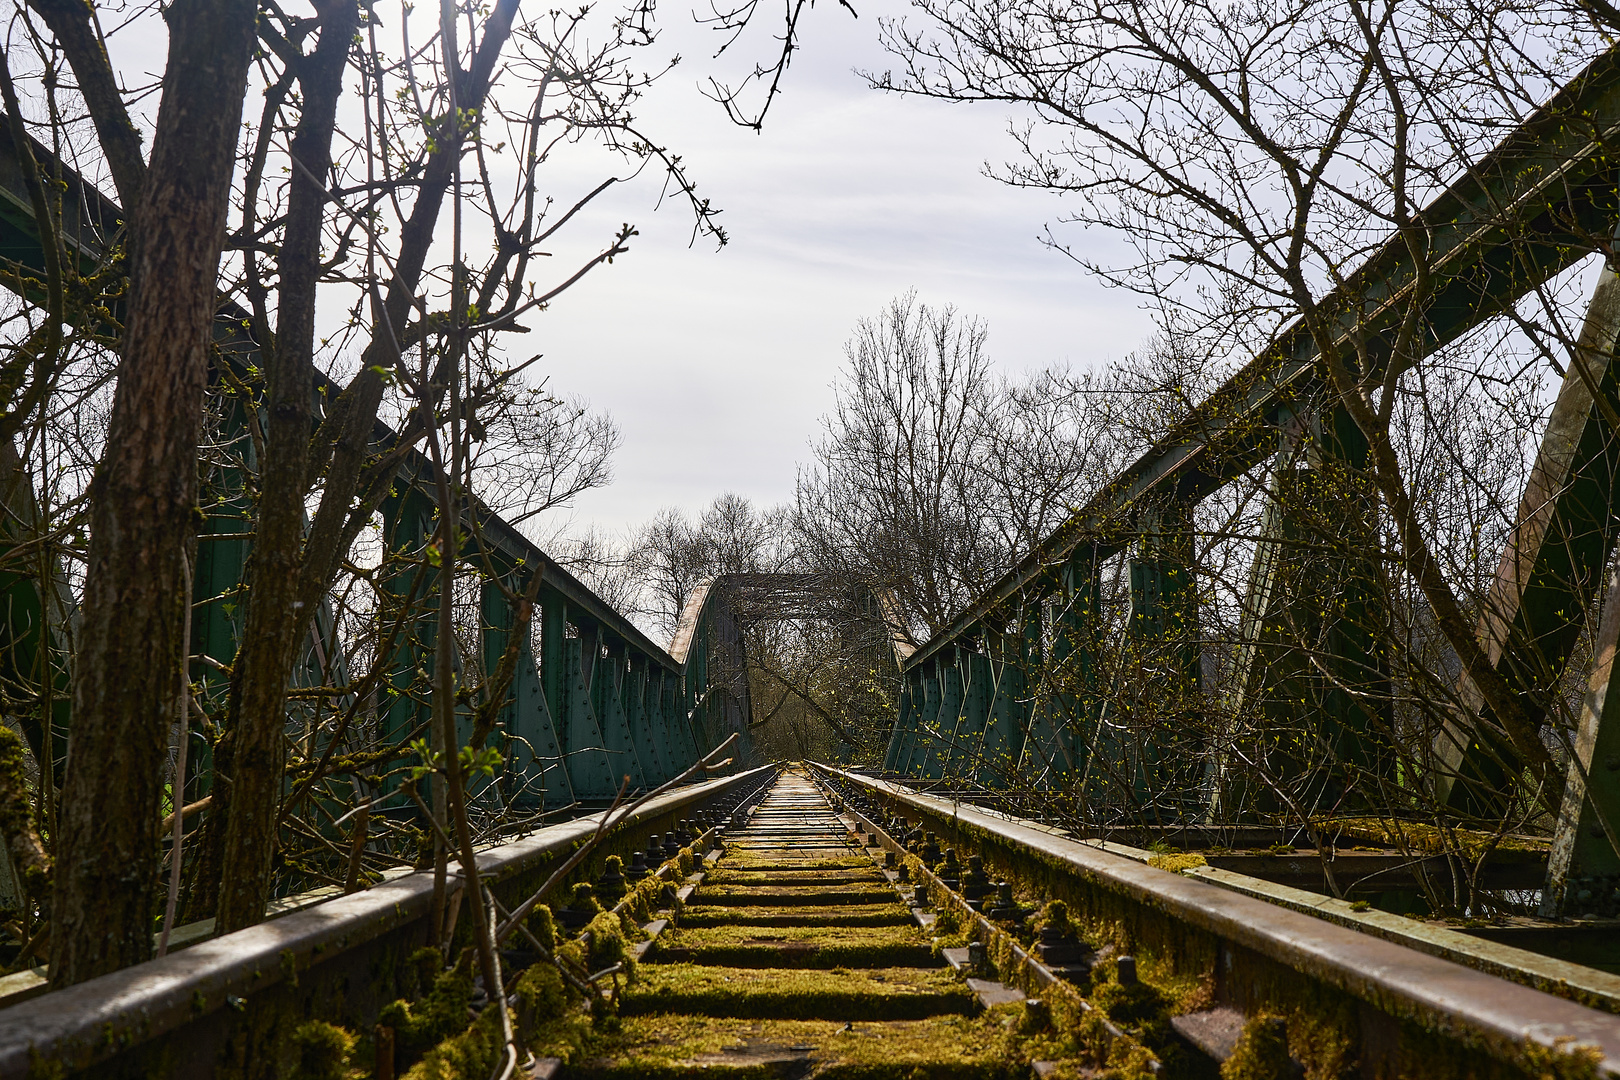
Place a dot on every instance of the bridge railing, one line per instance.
(229, 1005)
(1352, 1000)
(593, 699)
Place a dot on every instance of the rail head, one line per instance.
(1439, 995)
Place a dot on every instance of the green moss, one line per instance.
(1261, 1052)
(795, 895)
(795, 947)
(583, 897)
(948, 1048)
(1137, 1004)
(742, 859)
(895, 914)
(788, 877)
(542, 996)
(838, 994)
(641, 902)
(321, 1051)
(543, 926)
(550, 1021)
(1417, 836)
(1175, 863)
(1566, 1061)
(608, 944)
(441, 1014)
(471, 1055)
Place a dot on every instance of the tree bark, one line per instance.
(143, 506)
(273, 632)
(340, 449)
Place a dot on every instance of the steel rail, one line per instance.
(1404, 985)
(222, 1004)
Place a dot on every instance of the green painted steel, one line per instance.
(972, 712)
(941, 730)
(651, 736)
(548, 715)
(899, 748)
(1555, 179)
(590, 768)
(1554, 174)
(1064, 722)
(409, 612)
(1008, 712)
(534, 773)
(613, 717)
(34, 615)
(1311, 688)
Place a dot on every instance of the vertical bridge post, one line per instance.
(1311, 698)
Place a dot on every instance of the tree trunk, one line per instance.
(143, 506)
(273, 633)
(341, 450)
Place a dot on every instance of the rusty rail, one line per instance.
(1257, 954)
(226, 1005)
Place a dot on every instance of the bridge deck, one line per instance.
(797, 954)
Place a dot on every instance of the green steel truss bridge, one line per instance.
(1010, 699)
(971, 711)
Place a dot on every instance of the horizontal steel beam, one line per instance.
(1533, 207)
(90, 234)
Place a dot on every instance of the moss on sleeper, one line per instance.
(321, 1051)
(438, 1015)
(948, 1048)
(723, 876)
(741, 859)
(780, 993)
(1261, 1052)
(795, 946)
(1323, 1023)
(470, 1055)
(795, 895)
(895, 914)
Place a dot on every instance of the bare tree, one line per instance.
(1253, 158)
(394, 173)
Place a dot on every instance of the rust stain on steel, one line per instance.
(1394, 979)
(79, 1026)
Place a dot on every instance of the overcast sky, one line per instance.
(718, 365)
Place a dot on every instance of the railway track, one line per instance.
(800, 951)
(817, 923)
